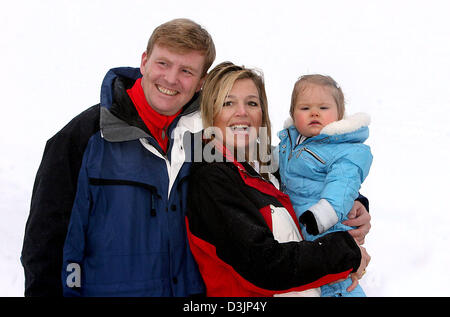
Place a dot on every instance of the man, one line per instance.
(108, 191)
(108, 206)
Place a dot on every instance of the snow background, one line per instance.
(392, 59)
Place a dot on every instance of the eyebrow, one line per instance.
(311, 103)
(163, 58)
(248, 96)
(189, 68)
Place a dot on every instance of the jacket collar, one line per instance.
(350, 127)
(119, 120)
(347, 124)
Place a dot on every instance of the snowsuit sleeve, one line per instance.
(341, 188)
(221, 214)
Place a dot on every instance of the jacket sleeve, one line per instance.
(221, 214)
(74, 246)
(51, 204)
(363, 200)
(342, 183)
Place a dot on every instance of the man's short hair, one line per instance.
(184, 35)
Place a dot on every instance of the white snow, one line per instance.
(392, 59)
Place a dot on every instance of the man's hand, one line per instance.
(365, 259)
(358, 217)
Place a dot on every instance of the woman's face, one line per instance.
(241, 116)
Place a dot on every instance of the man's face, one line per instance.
(171, 79)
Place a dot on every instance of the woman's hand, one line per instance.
(365, 259)
(358, 217)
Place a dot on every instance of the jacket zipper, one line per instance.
(153, 191)
(250, 175)
(106, 181)
(290, 142)
(317, 157)
(312, 153)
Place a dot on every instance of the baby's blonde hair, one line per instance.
(321, 80)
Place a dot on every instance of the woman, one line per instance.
(242, 230)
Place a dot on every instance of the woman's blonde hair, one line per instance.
(183, 35)
(218, 84)
(322, 80)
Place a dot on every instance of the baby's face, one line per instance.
(315, 108)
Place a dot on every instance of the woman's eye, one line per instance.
(227, 103)
(253, 104)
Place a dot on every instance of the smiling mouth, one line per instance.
(240, 128)
(166, 91)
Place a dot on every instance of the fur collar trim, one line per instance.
(347, 124)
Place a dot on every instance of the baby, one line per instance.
(323, 161)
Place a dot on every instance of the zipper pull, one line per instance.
(163, 133)
(300, 152)
(152, 207)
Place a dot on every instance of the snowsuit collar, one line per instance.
(353, 129)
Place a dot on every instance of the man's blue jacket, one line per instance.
(108, 206)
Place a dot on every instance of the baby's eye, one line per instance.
(323, 108)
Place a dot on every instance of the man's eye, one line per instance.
(187, 71)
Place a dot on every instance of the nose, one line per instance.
(171, 76)
(314, 113)
(241, 109)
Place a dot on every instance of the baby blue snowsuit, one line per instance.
(323, 174)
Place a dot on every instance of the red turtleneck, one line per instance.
(155, 122)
